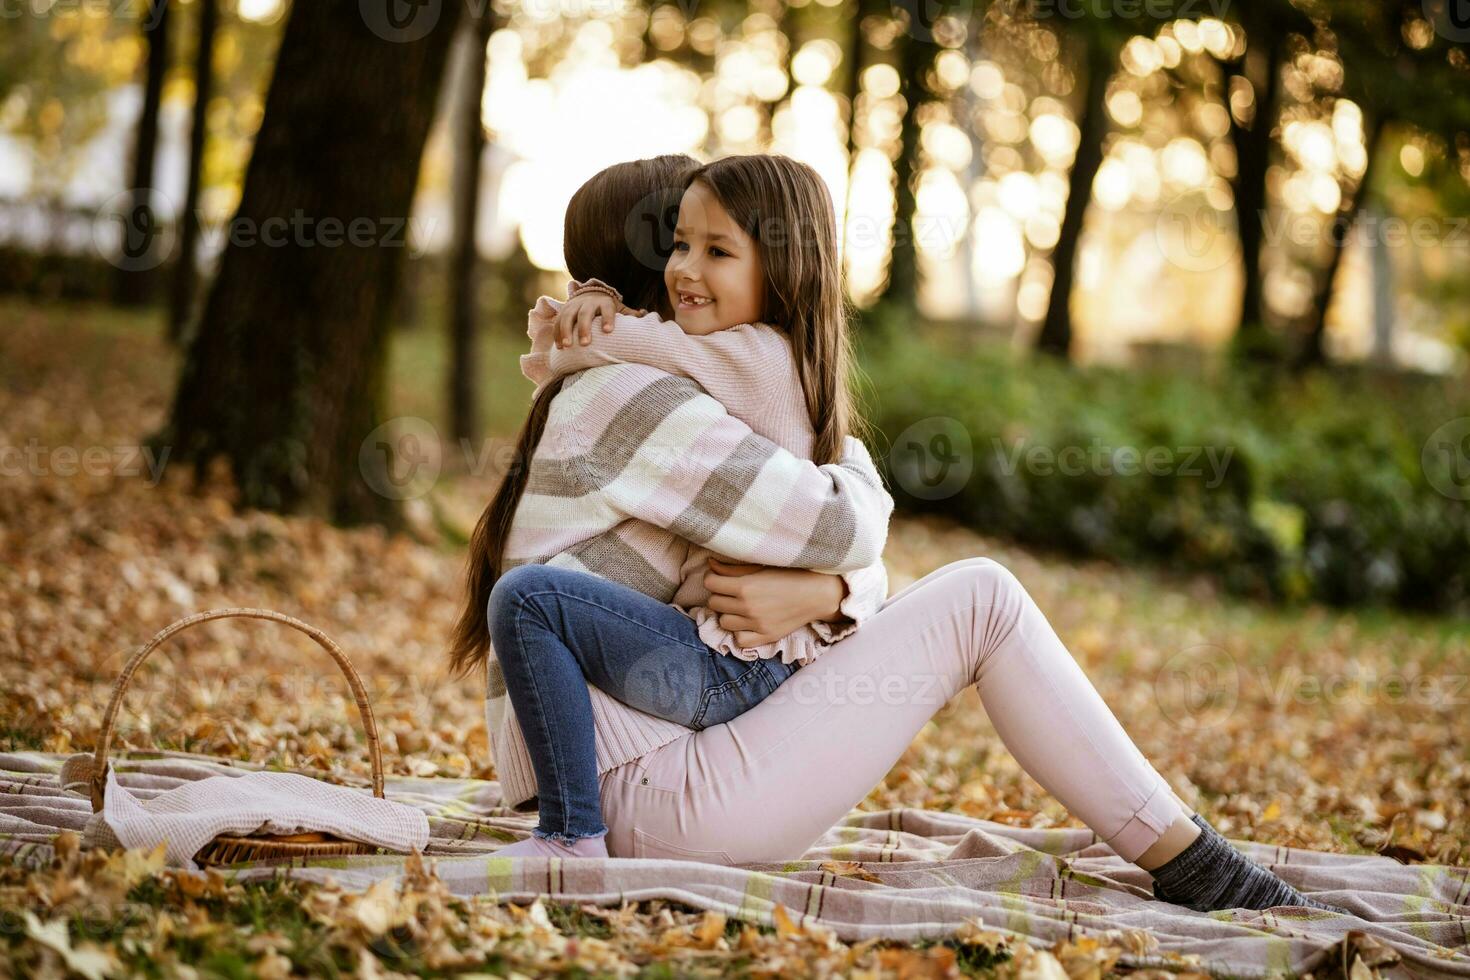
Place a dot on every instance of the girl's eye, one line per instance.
(719, 251)
(680, 245)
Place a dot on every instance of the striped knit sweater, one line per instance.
(749, 369)
(638, 467)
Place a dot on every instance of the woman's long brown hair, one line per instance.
(619, 228)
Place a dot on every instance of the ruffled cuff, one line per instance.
(801, 646)
(867, 590)
(540, 323)
(832, 632)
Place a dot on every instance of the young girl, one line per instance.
(748, 368)
(651, 464)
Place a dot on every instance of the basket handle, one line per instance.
(98, 781)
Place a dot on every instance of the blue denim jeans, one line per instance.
(555, 629)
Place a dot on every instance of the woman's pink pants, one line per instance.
(766, 785)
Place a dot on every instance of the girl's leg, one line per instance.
(556, 630)
(768, 784)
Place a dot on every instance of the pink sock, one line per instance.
(586, 847)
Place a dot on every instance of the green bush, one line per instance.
(1283, 487)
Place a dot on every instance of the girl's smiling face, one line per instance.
(714, 277)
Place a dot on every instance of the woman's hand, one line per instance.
(762, 603)
(576, 316)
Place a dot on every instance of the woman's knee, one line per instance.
(986, 578)
(968, 584)
(989, 601)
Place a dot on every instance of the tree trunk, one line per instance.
(181, 306)
(856, 55)
(969, 107)
(916, 52)
(1383, 298)
(468, 152)
(787, 30)
(1253, 158)
(1056, 330)
(140, 231)
(1313, 351)
(286, 371)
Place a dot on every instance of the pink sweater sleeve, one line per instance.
(867, 590)
(747, 368)
(750, 370)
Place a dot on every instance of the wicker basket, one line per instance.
(229, 849)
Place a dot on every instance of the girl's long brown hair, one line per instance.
(786, 208)
(619, 228)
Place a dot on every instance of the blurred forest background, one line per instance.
(1160, 303)
(1216, 250)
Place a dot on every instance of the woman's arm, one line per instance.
(668, 453)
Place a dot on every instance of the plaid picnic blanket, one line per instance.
(934, 873)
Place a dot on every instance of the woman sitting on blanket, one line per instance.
(649, 706)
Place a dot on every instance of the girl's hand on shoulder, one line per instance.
(574, 320)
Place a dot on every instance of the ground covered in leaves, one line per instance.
(1324, 729)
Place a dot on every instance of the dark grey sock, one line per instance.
(1211, 874)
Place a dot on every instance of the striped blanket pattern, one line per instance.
(934, 873)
